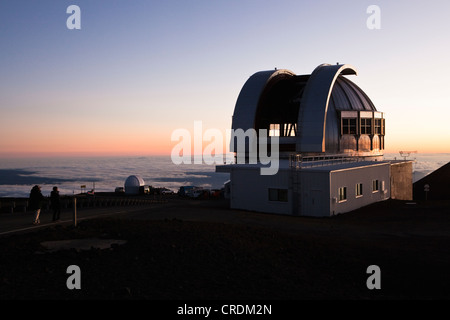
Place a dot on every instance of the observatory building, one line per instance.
(331, 141)
(133, 184)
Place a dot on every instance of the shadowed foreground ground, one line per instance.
(277, 258)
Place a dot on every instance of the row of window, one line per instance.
(282, 194)
(349, 126)
(342, 192)
(282, 129)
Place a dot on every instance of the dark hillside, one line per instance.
(439, 182)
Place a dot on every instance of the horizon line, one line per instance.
(132, 154)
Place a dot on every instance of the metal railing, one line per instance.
(22, 205)
(298, 161)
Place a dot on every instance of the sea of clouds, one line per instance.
(17, 176)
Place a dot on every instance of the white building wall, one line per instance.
(318, 193)
(350, 177)
(315, 193)
(250, 190)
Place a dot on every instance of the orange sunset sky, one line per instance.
(136, 72)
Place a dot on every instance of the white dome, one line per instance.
(133, 183)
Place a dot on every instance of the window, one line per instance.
(359, 190)
(278, 195)
(274, 130)
(282, 129)
(375, 186)
(377, 127)
(366, 126)
(348, 126)
(342, 194)
(289, 129)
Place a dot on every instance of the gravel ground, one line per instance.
(251, 256)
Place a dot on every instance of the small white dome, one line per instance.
(133, 183)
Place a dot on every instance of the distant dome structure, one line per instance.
(133, 184)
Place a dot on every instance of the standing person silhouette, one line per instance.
(56, 203)
(36, 200)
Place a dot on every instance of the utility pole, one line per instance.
(74, 211)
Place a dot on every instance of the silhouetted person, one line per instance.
(56, 203)
(36, 201)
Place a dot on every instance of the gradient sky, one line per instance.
(138, 70)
